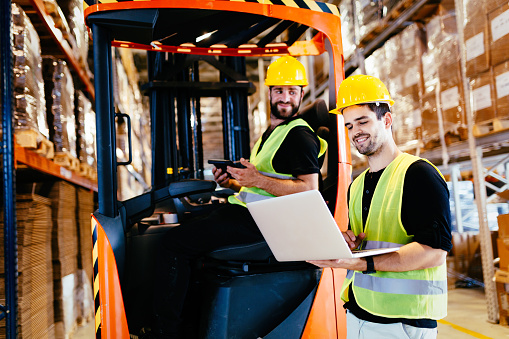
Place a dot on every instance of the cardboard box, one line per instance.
(452, 100)
(476, 43)
(501, 81)
(503, 225)
(483, 95)
(503, 253)
(498, 24)
(502, 287)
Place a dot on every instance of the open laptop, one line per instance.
(300, 227)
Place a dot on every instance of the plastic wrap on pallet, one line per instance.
(73, 11)
(347, 28)
(369, 14)
(501, 80)
(452, 98)
(498, 24)
(441, 26)
(59, 89)
(483, 97)
(430, 134)
(407, 120)
(60, 20)
(374, 64)
(476, 39)
(30, 108)
(394, 69)
(412, 48)
(86, 131)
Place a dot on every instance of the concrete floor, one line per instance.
(467, 319)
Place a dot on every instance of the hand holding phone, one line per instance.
(222, 164)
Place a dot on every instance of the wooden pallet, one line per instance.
(34, 140)
(88, 171)
(65, 159)
(490, 126)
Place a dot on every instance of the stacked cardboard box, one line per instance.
(502, 276)
(35, 283)
(65, 256)
(407, 107)
(499, 49)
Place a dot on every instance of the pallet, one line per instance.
(65, 159)
(34, 140)
(88, 171)
(490, 126)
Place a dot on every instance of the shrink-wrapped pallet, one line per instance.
(476, 39)
(86, 131)
(73, 12)
(374, 64)
(369, 14)
(29, 104)
(347, 28)
(498, 24)
(483, 99)
(441, 26)
(59, 90)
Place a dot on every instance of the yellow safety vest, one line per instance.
(263, 162)
(419, 294)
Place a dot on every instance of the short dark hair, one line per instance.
(379, 108)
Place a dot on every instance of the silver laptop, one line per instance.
(300, 227)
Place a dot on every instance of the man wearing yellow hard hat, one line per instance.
(400, 201)
(284, 160)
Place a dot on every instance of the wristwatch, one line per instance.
(371, 266)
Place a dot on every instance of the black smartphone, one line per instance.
(222, 163)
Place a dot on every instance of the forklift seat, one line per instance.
(316, 115)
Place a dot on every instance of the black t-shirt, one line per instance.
(298, 154)
(425, 214)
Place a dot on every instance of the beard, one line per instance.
(370, 147)
(285, 113)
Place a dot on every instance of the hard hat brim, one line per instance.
(339, 110)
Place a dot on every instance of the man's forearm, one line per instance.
(411, 257)
(279, 187)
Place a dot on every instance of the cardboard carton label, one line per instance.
(500, 26)
(411, 76)
(502, 83)
(482, 97)
(450, 98)
(416, 118)
(475, 46)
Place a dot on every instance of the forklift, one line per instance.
(237, 292)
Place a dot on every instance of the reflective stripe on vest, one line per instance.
(419, 294)
(263, 162)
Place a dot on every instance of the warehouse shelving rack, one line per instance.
(13, 157)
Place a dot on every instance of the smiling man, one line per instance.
(401, 201)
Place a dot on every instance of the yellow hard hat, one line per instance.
(361, 89)
(286, 71)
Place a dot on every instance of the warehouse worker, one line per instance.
(401, 201)
(284, 160)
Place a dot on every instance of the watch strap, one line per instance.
(371, 266)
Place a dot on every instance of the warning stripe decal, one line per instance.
(305, 4)
(96, 280)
